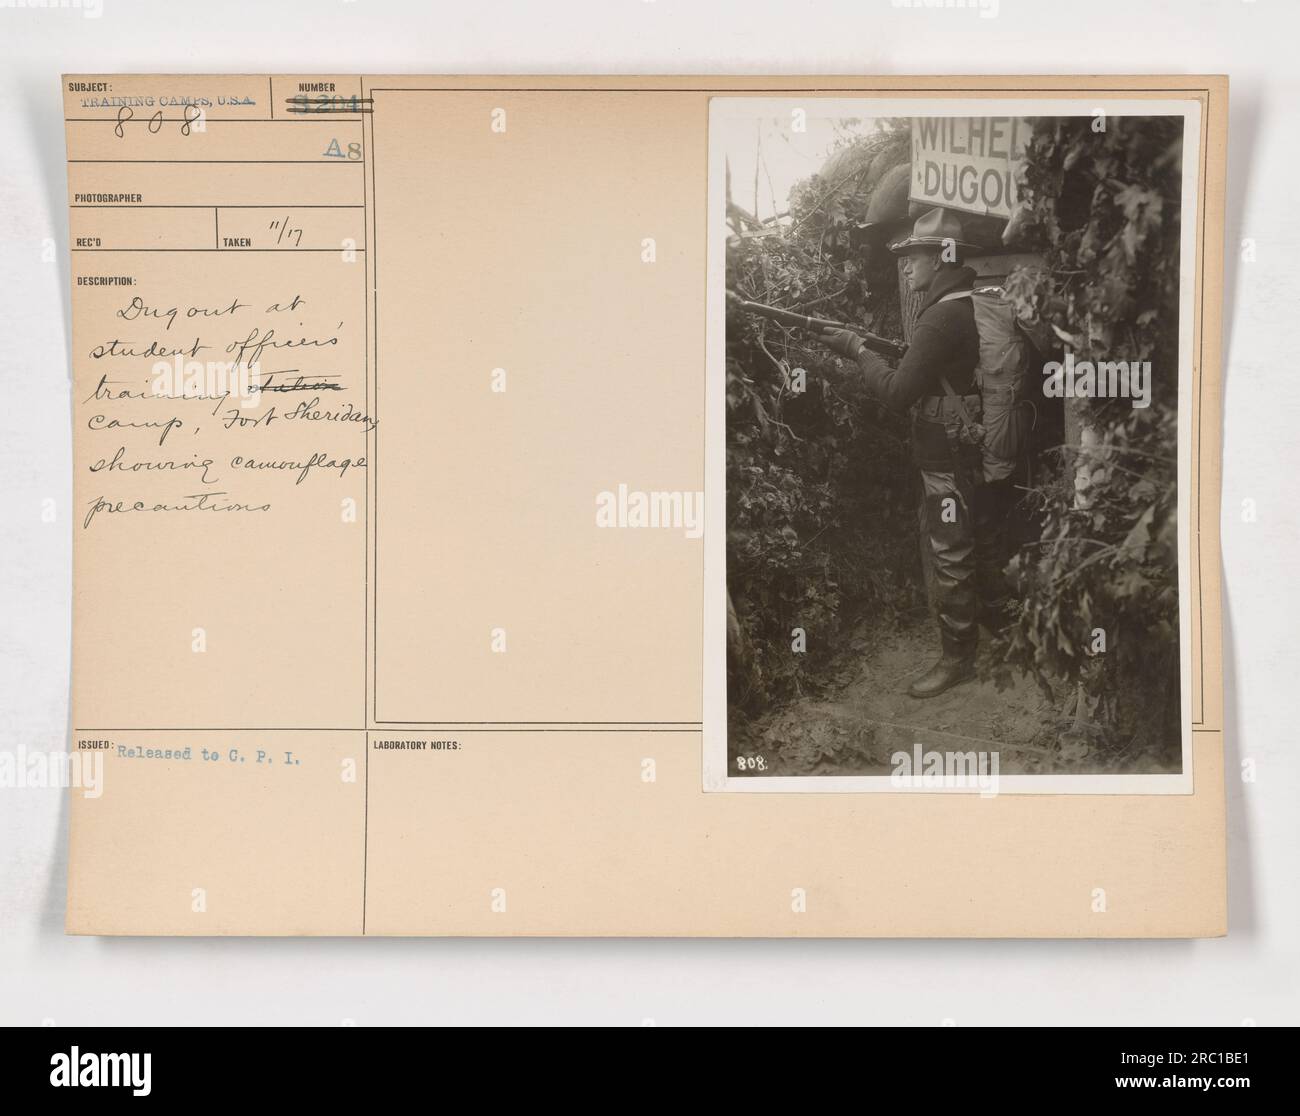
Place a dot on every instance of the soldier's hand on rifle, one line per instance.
(842, 341)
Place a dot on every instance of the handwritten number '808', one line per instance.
(155, 122)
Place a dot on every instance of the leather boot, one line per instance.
(945, 674)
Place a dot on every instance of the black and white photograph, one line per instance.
(951, 374)
(638, 514)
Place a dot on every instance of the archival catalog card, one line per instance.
(483, 486)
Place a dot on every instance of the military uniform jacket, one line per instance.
(945, 343)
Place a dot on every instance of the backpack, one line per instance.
(1007, 346)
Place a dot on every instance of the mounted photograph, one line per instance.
(949, 444)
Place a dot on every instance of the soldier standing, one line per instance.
(936, 378)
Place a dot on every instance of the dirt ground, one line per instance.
(867, 715)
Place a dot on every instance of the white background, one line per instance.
(1251, 975)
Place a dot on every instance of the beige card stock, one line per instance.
(351, 649)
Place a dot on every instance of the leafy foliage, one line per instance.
(1104, 207)
(819, 518)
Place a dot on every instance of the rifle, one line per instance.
(877, 344)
